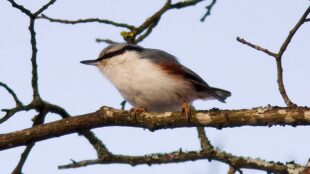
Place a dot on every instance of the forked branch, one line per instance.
(278, 56)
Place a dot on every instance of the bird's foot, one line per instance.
(186, 111)
(135, 111)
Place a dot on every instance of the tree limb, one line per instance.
(153, 121)
(180, 156)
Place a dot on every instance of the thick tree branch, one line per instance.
(153, 121)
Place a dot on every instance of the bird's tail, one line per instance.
(220, 94)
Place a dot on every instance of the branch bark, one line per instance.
(153, 121)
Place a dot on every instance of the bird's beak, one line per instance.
(90, 62)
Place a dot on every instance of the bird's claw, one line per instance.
(186, 111)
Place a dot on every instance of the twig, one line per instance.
(108, 41)
(204, 141)
(148, 31)
(259, 48)
(44, 7)
(11, 112)
(278, 56)
(208, 12)
(131, 36)
(20, 7)
(102, 151)
(153, 121)
(292, 33)
(123, 104)
(39, 119)
(90, 20)
(183, 4)
(23, 158)
(17, 101)
(100, 148)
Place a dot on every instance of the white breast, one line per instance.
(144, 85)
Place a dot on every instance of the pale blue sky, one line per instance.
(208, 48)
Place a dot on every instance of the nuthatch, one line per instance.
(153, 80)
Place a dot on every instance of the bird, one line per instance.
(153, 80)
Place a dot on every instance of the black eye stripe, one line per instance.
(121, 51)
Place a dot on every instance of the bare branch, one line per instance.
(183, 4)
(21, 8)
(130, 36)
(148, 31)
(259, 48)
(81, 21)
(148, 24)
(28, 12)
(204, 141)
(32, 17)
(108, 41)
(281, 87)
(23, 158)
(208, 8)
(153, 121)
(44, 7)
(37, 120)
(292, 33)
(17, 101)
(180, 156)
(285, 44)
(278, 56)
(101, 149)
(11, 112)
(153, 19)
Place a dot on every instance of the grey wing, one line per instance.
(170, 63)
(174, 66)
(159, 56)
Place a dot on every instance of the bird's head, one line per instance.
(112, 51)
